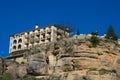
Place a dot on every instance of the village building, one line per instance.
(28, 39)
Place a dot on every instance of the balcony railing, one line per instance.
(42, 32)
(31, 40)
(48, 37)
(37, 33)
(31, 35)
(26, 41)
(48, 30)
(26, 36)
(42, 39)
(25, 47)
(37, 39)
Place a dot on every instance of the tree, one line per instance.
(94, 33)
(111, 34)
(94, 39)
(78, 32)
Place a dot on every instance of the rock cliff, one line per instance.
(72, 59)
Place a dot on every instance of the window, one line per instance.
(14, 47)
(19, 46)
(20, 40)
(15, 41)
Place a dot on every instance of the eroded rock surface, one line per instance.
(73, 59)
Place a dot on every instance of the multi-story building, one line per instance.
(28, 39)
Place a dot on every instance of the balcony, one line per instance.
(31, 40)
(42, 32)
(37, 39)
(42, 39)
(48, 37)
(26, 36)
(30, 46)
(26, 41)
(37, 33)
(31, 35)
(36, 44)
(48, 31)
(59, 33)
(25, 47)
(59, 37)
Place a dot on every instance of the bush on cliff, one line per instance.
(94, 39)
(6, 76)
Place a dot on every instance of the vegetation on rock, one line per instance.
(6, 76)
(94, 39)
(78, 32)
(111, 34)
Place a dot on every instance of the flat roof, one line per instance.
(55, 25)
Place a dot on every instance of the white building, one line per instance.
(28, 39)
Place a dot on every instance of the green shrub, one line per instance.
(114, 71)
(92, 69)
(94, 40)
(6, 76)
(104, 71)
(69, 49)
(1, 78)
(94, 33)
(55, 77)
(28, 77)
(85, 78)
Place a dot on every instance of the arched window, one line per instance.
(15, 41)
(19, 46)
(20, 40)
(14, 47)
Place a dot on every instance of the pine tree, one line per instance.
(111, 34)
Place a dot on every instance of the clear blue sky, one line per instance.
(87, 15)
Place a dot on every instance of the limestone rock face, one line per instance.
(72, 59)
(84, 62)
(76, 59)
(22, 71)
(12, 68)
(37, 64)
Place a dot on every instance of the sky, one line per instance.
(85, 15)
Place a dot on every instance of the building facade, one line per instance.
(28, 39)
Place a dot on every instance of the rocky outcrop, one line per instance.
(37, 64)
(84, 58)
(72, 59)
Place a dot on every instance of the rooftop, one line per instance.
(37, 28)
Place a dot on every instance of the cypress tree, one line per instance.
(78, 32)
(111, 34)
